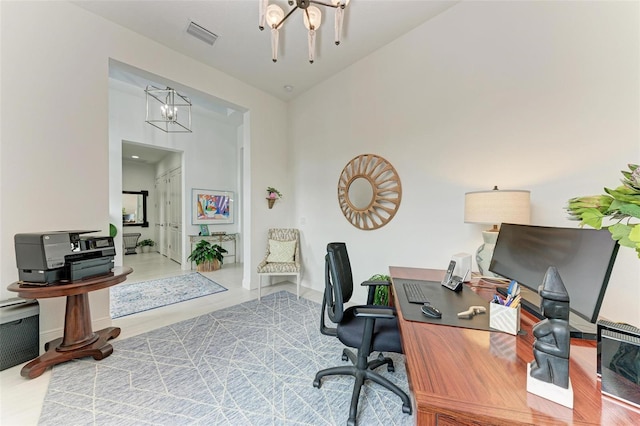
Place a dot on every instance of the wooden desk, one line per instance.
(460, 376)
(78, 340)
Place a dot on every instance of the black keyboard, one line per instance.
(414, 293)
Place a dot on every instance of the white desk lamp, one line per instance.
(494, 208)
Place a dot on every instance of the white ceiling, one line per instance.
(243, 51)
(146, 154)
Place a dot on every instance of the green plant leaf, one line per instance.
(380, 277)
(620, 232)
(634, 234)
(630, 209)
(624, 193)
(592, 217)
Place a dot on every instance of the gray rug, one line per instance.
(250, 364)
(127, 299)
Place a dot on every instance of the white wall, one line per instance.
(541, 96)
(210, 155)
(55, 143)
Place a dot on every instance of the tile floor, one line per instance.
(21, 399)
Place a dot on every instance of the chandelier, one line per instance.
(274, 16)
(168, 110)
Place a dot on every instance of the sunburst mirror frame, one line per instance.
(386, 186)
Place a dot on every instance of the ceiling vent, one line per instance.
(201, 33)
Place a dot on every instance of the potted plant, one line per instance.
(381, 297)
(146, 245)
(207, 256)
(273, 195)
(620, 206)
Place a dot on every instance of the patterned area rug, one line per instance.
(127, 299)
(250, 364)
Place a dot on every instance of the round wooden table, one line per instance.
(79, 340)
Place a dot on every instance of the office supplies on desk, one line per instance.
(449, 303)
(455, 283)
(414, 293)
(472, 311)
(504, 318)
(449, 274)
(463, 265)
(431, 311)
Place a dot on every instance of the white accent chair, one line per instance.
(282, 257)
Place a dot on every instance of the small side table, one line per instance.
(79, 340)
(216, 238)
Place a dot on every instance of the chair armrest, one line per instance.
(366, 312)
(370, 283)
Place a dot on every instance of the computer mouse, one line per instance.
(431, 311)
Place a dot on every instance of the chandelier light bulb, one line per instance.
(273, 16)
(312, 18)
(169, 113)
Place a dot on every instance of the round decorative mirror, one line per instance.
(369, 191)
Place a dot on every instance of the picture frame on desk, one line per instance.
(204, 230)
(211, 207)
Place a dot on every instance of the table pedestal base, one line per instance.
(99, 349)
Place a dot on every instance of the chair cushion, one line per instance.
(386, 335)
(281, 251)
(278, 267)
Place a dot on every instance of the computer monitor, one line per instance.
(584, 259)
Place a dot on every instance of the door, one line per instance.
(174, 204)
(161, 214)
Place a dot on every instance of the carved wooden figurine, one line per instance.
(552, 338)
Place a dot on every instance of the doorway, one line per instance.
(158, 172)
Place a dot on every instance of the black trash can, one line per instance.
(19, 331)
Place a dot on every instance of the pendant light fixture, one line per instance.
(273, 16)
(168, 110)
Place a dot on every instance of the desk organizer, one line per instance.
(504, 318)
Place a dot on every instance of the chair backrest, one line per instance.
(338, 280)
(285, 234)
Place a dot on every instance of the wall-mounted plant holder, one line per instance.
(274, 194)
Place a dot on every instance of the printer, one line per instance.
(49, 257)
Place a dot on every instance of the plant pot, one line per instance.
(146, 249)
(208, 266)
(271, 202)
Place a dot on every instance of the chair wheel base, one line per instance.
(316, 383)
(351, 422)
(406, 409)
(391, 368)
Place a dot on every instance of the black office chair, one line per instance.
(367, 327)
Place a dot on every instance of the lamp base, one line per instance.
(485, 253)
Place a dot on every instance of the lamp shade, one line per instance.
(497, 206)
(274, 15)
(312, 18)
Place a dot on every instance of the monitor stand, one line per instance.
(579, 328)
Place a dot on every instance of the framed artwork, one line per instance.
(204, 230)
(211, 207)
